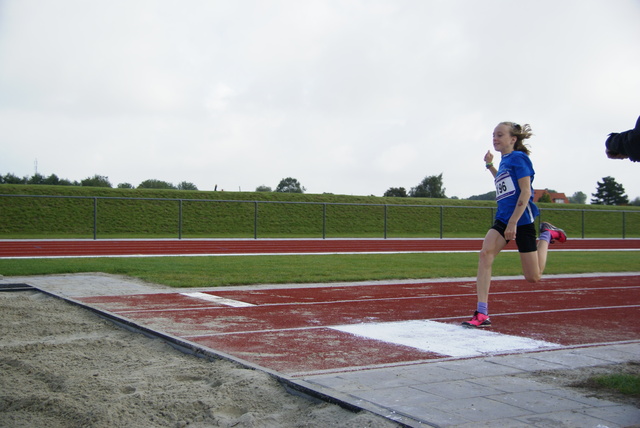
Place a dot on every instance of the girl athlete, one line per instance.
(515, 215)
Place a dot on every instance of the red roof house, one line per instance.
(556, 198)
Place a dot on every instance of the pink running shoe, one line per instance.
(557, 234)
(479, 320)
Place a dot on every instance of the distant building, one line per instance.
(556, 198)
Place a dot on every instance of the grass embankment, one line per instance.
(198, 214)
(156, 214)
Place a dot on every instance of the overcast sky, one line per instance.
(347, 96)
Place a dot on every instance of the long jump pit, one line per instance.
(380, 346)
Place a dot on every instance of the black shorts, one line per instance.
(525, 236)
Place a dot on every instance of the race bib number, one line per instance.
(505, 186)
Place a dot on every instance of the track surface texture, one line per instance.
(305, 330)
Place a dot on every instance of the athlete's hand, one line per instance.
(488, 158)
(510, 231)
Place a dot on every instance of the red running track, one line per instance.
(89, 248)
(289, 329)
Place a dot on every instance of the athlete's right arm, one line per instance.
(488, 160)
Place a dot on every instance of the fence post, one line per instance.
(582, 224)
(385, 221)
(492, 216)
(95, 218)
(255, 220)
(540, 216)
(179, 218)
(441, 220)
(324, 221)
(624, 224)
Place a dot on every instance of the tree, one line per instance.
(156, 184)
(36, 179)
(609, 193)
(290, 185)
(96, 181)
(546, 197)
(578, 198)
(430, 187)
(185, 185)
(52, 180)
(125, 186)
(263, 188)
(398, 192)
(12, 179)
(66, 182)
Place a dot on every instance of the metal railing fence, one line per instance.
(72, 216)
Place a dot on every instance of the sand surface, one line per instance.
(63, 366)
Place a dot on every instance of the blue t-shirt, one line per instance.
(513, 167)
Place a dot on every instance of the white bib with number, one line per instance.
(505, 186)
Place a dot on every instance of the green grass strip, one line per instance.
(627, 384)
(244, 270)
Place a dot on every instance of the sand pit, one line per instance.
(63, 366)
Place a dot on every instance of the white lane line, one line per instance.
(355, 301)
(99, 256)
(445, 339)
(218, 299)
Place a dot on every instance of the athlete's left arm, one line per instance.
(523, 200)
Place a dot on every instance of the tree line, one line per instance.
(95, 181)
(608, 191)
(286, 185)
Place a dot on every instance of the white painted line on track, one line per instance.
(239, 304)
(349, 326)
(338, 253)
(445, 339)
(218, 299)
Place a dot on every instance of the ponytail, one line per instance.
(521, 132)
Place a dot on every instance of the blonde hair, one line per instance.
(521, 132)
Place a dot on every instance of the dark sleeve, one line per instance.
(626, 143)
